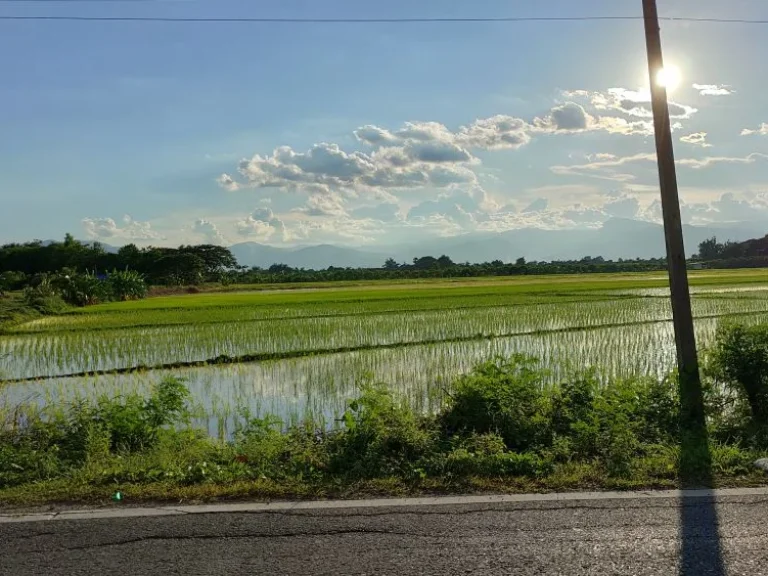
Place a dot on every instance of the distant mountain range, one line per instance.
(618, 238)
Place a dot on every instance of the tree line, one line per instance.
(25, 264)
(160, 266)
(444, 267)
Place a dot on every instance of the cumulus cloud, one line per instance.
(697, 139)
(209, 231)
(572, 117)
(261, 223)
(636, 103)
(327, 169)
(568, 117)
(495, 133)
(105, 228)
(324, 205)
(227, 182)
(761, 130)
(714, 89)
(424, 154)
(375, 136)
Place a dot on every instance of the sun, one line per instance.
(670, 77)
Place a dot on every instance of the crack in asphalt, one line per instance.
(303, 534)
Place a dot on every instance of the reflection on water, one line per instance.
(318, 387)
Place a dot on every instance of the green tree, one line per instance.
(444, 261)
(710, 249)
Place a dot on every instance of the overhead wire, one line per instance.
(270, 20)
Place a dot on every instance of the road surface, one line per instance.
(656, 534)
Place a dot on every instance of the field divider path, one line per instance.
(291, 354)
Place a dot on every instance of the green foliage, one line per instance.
(739, 361)
(501, 421)
(502, 396)
(380, 437)
(43, 297)
(10, 280)
(183, 265)
(83, 289)
(127, 285)
(41, 445)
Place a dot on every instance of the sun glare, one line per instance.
(669, 77)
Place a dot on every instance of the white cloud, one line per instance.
(227, 182)
(699, 163)
(106, 228)
(495, 133)
(714, 89)
(615, 125)
(324, 205)
(568, 117)
(375, 136)
(423, 154)
(608, 169)
(636, 103)
(262, 223)
(209, 231)
(697, 139)
(329, 170)
(761, 130)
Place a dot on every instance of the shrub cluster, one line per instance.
(83, 289)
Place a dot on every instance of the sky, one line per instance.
(360, 135)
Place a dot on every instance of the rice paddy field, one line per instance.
(303, 353)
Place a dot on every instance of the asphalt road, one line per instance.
(638, 536)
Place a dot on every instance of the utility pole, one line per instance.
(685, 340)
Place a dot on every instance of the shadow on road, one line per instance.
(701, 552)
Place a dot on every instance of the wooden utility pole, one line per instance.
(682, 317)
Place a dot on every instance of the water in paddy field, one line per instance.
(319, 386)
(622, 338)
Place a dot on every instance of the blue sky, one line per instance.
(163, 133)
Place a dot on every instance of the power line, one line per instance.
(251, 20)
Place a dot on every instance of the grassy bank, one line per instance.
(502, 429)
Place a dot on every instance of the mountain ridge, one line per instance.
(618, 238)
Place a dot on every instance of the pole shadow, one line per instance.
(701, 551)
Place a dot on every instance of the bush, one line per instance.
(267, 451)
(127, 285)
(379, 438)
(84, 289)
(11, 281)
(502, 396)
(485, 455)
(739, 361)
(42, 296)
(47, 444)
